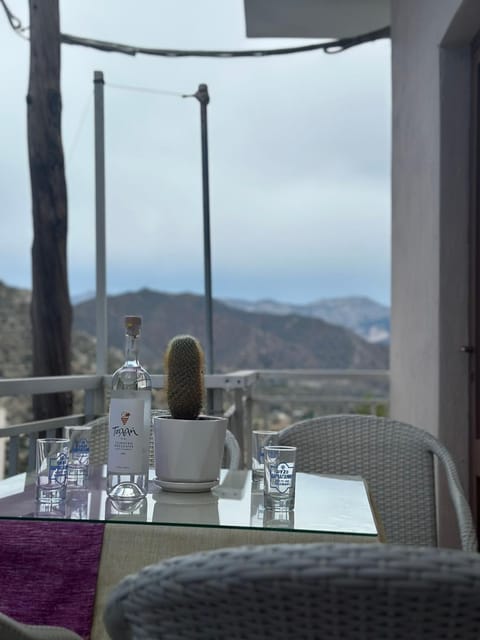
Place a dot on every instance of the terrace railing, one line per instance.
(249, 399)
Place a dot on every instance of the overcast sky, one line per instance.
(299, 150)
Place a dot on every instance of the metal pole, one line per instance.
(101, 289)
(203, 97)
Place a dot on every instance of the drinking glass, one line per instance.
(52, 469)
(279, 491)
(259, 440)
(79, 460)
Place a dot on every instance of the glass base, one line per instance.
(49, 494)
(279, 519)
(126, 509)
(128, 488)
(50, 510)
(77, 476)
(278, 502)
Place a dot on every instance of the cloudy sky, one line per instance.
(299, 150)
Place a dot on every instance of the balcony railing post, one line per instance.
(239, 422)
(13, 455)
(248, 425)
(100, 263)
(217, 397)
(94, 403)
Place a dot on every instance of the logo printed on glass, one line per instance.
(57, 468)
(80, 450)
(282, 476)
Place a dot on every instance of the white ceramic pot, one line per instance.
(189, 451)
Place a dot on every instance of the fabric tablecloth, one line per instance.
(48, 572)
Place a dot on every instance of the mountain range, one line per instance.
(242, 339)
(364, 316)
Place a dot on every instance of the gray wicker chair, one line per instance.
(99, 445)
(396, 460)
(10, 629)
(302, 592)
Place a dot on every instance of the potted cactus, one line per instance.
(188, 444)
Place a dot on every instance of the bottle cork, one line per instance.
(132, 325)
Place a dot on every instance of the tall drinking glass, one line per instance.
(52, 469)
(260, 439)
(279, 491)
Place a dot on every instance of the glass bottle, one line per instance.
(129, 422)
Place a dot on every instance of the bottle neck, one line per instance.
(131, 349)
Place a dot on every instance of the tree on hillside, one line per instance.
(51, 310)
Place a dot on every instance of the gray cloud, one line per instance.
(299, 157)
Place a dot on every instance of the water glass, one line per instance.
(79, 460)
(279, 519)
(52, 469)
(279, 490)
(259, 440)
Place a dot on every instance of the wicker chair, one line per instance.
(99, 445)
(10, 629)
(302, 591)
(396, 460)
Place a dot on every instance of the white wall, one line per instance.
(430, 163)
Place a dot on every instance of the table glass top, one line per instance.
(323, 504)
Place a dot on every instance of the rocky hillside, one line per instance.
(16, 345)
(16, 349)
(242, 340)
(364, 316)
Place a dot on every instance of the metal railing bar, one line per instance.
(50, 384)
(32, 452)
(234, 380)
(320, 399)
(263, 374)
(239, 386)
(40, 425)
(13, 451)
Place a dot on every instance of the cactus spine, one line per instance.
(184, 367)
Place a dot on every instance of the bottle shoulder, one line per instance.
(131, 376)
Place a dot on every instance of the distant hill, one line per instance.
(364, 316)
(243, 339)
(16, 350)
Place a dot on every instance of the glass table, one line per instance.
(323, 504)
(166, 524)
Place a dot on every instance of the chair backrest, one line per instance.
(334, 591)
(396, 460)
(99, 445)
(11, 629)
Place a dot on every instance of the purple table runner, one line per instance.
(48, 572)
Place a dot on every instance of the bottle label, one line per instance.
(126, 435)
